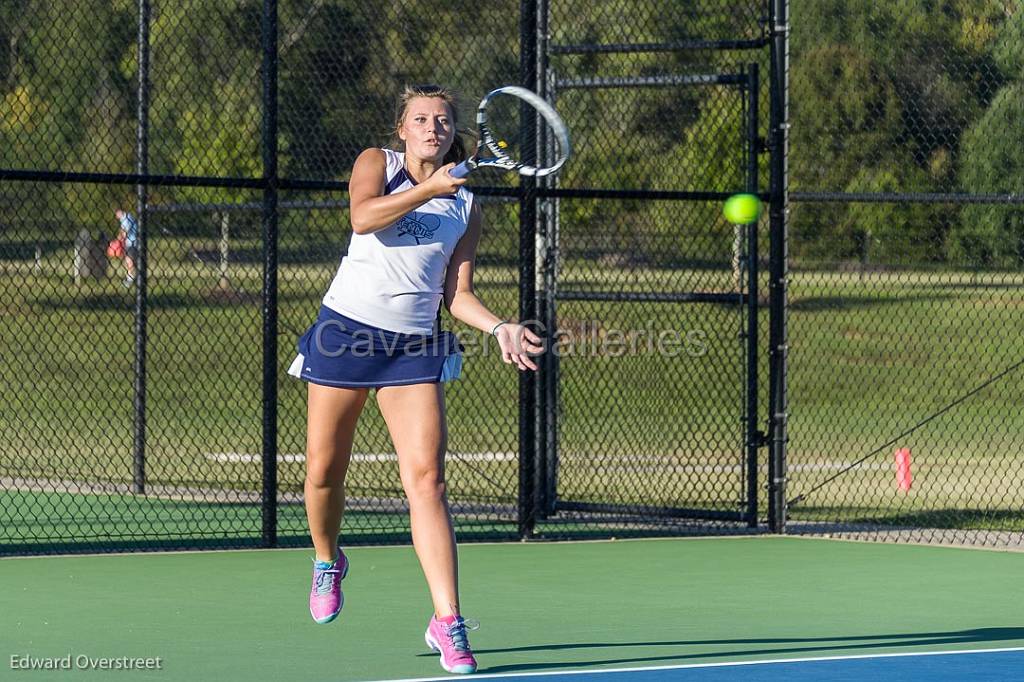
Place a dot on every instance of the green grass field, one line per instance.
(870, 357)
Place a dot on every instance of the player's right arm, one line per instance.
(371, 210)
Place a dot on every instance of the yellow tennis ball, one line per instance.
(742, 209)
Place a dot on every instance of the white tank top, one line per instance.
(393, 278)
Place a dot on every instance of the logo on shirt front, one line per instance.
(419, 226)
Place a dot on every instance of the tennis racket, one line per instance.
(506, 143)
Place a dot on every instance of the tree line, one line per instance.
(918, 96)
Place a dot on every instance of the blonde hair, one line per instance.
(457, 152)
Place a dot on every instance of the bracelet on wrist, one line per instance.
(495, 329)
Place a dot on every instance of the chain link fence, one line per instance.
(905, 254)
(135, 394)
(139, 409)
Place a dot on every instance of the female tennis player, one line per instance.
(415, 234)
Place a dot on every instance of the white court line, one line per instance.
(248, 458)
(723, 664)
(621, 462)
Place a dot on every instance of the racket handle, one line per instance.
(460, 171)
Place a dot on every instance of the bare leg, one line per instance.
(416, 420)
(331, 423)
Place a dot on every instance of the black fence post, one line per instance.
(270, 273)
(778, 333)
(527, 278)
(753, 437)
(547, 287)
(142, 256)
(543, 285)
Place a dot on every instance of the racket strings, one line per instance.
(520, 132)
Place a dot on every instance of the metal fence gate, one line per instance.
(631, 431)
(646, 471)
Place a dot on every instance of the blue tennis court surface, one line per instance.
(938, 666)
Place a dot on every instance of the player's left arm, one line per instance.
(516, 341)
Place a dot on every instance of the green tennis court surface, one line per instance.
(543, 607)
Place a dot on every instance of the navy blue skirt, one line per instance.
(339, 351)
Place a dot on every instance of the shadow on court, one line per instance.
(831, 645)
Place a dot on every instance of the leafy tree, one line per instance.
(993, 162)
(62, 100)
(1008, 52)
(909, 96)
(892, 232)
(881, 95)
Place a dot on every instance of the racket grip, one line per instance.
(460, 171)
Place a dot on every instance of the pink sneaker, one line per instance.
(453, 644)
(325, 597)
